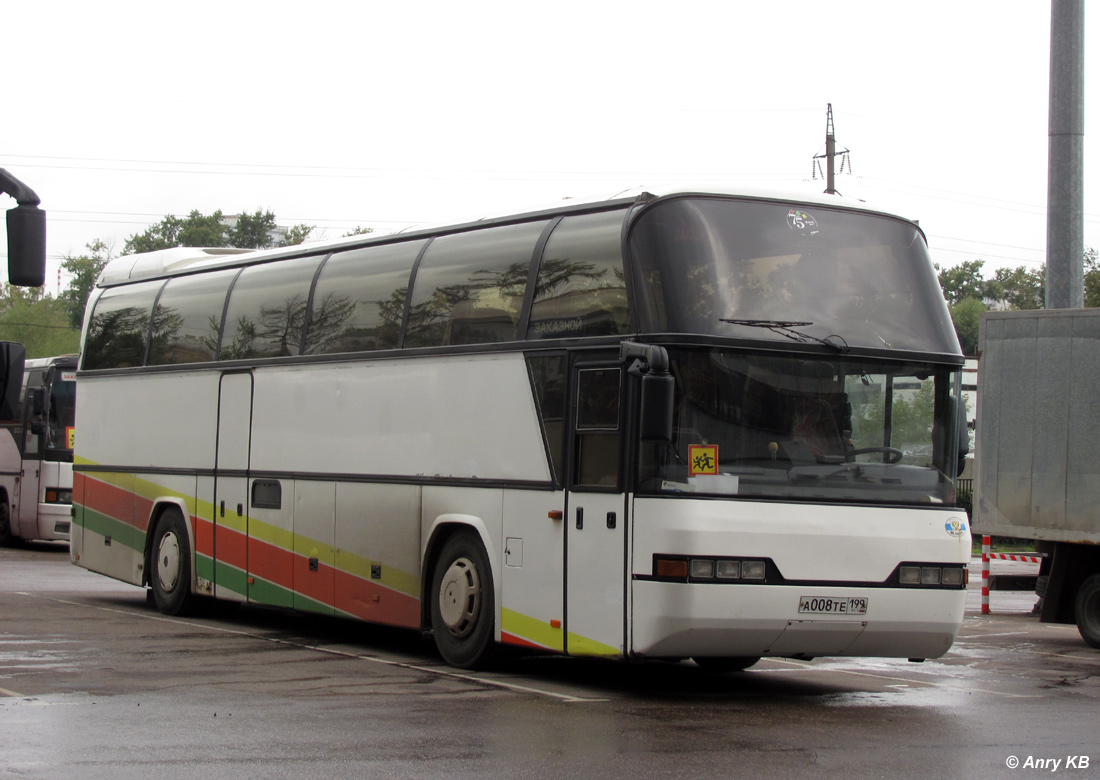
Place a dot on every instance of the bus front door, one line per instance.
(231, 485)
(596, 516)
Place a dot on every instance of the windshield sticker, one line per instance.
(702, 459)
(802, 221)
(70, 436)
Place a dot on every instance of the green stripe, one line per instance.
(120, 532)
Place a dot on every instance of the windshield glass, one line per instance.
(62, 412)
(727, 267)
(807, 428)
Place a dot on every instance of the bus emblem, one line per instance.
(955, 527)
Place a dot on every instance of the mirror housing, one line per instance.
(658, 388)
(26, 234)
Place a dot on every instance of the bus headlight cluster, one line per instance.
(682, 569)
(932, 576)
(58, 496)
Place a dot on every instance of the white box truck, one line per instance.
(1038, 451)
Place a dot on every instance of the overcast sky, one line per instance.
(386, 114)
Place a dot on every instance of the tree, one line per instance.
(252, 231)
(197, 230)
(965, 315)
(39, 322)
(962, 281)
(84, 269)
(1018, 288)
(359, 231)
(296, 235)
(1092, 279)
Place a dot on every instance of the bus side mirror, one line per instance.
(658, 388)
(12, 358)
(37, 396)
(26, 235)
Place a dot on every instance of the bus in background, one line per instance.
(693, 423)
(37, 453)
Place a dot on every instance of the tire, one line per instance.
(7, 538)
(719, 664)
(1087, 610)
(463, 607)
(170, 572)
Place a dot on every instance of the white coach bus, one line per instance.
(36, 454)
(694, 424)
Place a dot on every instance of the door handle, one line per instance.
(223, 508)
(580, 518)
(610, 519)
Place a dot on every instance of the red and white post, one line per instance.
(985, 574)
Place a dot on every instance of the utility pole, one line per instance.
(1065, 283)
(830, 155)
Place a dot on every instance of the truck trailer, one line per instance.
(1038, 451)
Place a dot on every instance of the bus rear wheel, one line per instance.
(170, 574)
(733, 663)
(1087, 610)
(462, 602)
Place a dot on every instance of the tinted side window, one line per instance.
(188, 318)
(581, 290)
(548, 375)
(469, 288)
(267, 310)
(360, 299)
(119, 326)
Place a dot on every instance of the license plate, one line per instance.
(826, 605)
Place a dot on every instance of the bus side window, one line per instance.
(581, 289)
(598, 439)
(266, 315)
(187, 319)
(119, 327)
(360, 299)
(469, 287)
(548, 376)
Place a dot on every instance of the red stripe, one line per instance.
(512, 639)
(114, 502)
(369, 601)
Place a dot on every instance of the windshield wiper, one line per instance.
(787, 328)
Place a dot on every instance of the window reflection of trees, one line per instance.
(482, 310)
(116, 338)
(573, 298)
(340, 323)
(275, 332)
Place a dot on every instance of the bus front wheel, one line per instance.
(463, 607)
(170, 576)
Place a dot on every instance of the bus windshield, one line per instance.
(724, 267)
(62, 411)
(768, 425)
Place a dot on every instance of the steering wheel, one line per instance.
(892, 455)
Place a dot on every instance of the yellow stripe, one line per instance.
(533, 630)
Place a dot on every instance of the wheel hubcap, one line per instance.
(168, 562)
(460, 597)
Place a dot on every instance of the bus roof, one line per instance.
(169, 262)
